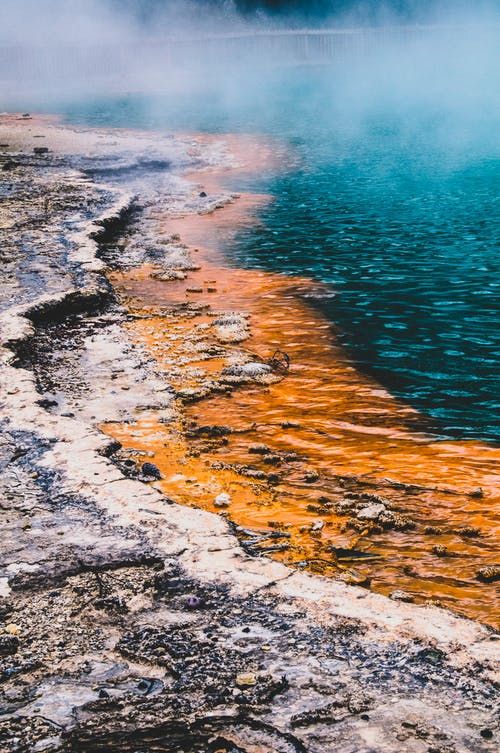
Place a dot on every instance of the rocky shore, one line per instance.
(130, 622)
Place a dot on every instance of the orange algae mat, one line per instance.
(295, 455)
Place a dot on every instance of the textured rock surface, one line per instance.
(129, 623)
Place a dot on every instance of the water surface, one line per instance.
(392, 199)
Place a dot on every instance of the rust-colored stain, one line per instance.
(334, 437)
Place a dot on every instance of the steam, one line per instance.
(446, 67)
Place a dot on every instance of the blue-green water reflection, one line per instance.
(395, 204)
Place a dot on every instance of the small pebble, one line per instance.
(194, 602)
(12, 629)
(222, 500)
(244, 679)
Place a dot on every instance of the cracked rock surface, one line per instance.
(128, 622)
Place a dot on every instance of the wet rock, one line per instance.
(251, 370)
(317, 526)
(354, 578)
(489, 574)
(345, 506)
(273, 479)
(232, 328)
(468, 532)
(222, 500)
(440, 550)
(167, 275)
(259, 449)
(433, 531)
(390, 519)
(151, 470)
(251, 472)
(211, 431)
(477, 493)
(271, 459)
(348, 555)
(310, 477)
(372, 512)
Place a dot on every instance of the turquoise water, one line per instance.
(392, 199)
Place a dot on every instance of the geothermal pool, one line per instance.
(393, 204)
(382, 225)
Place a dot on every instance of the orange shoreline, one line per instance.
(342, 428)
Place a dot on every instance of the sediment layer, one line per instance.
(131, 622)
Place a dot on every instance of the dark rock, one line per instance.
(8, 645)
(194, 602)
(477, 493)
(211, 431)
(273, 479)
(486, 733)
(259, 449)
(489, 574)
(129, 467)
(203, 195)
(311, 477)
(468, 532)
(433, 530)
(440, 550)
(47, 402)
(110, 448)
(150, 469)
(402, 596)
(271, 459)
(348, 555)
(431, 656)
(112, 604)
(41, 150)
